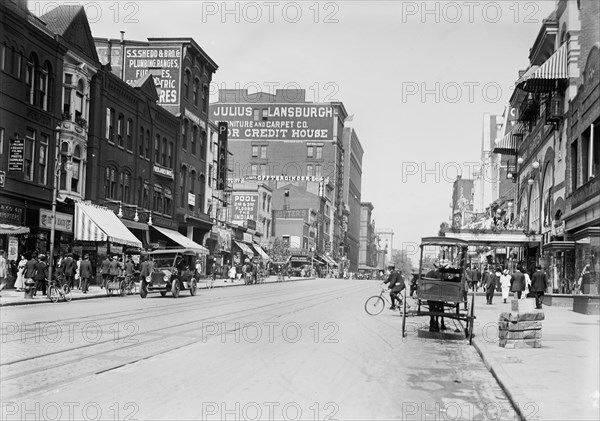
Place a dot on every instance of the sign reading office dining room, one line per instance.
(163, 63)
(297, 122)
(245, 207)
(64, 222)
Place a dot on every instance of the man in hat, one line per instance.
(396, 285)
(69, 267)
(85, 272)
(539, 283)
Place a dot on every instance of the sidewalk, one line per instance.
(560, 380)
(13, 298)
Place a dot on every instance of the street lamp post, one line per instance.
(57, 168)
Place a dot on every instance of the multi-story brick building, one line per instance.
(353, 154)
(368, 244)
(182, 72)
(281, 139)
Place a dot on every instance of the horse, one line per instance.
(435, 306)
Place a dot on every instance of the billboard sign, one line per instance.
(286, 122)
(245, 206)
(163, 62)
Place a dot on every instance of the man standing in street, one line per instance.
(517, 282)
(69, 267)
(489, 284)
(85, 273)
(539, 283)
(396, 285)
(105, 270)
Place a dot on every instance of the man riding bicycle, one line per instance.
(396, 285)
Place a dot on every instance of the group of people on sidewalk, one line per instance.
(35, 272)
(500, 279)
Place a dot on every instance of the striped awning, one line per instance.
(182, 240)
(97, 223)
(261, 252)
(329, 260)
(545, 78)
(245, 249)
(13, 229)
(508, 144)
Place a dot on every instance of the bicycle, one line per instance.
(128, 286)
(377, 303)
(56, 292)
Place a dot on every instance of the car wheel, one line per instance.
(175, 288)
(143, 289)
(193, 287)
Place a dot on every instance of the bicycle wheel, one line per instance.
(67, 293)
(374, 305)
(53, 294)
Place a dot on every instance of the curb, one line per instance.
(503, 386)
(91, 297)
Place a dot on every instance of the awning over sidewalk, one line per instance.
(245, 249)
(261, 252)
(545, 78)
(97, 223)
(320, 259)
(13, 229)
(329, 260)
(182, 240)
(508, 144)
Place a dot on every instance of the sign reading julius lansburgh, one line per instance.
(296, 122)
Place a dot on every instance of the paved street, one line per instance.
(300, 350)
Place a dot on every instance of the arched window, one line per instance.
(147, 145)
(64, 152)
(182, 186)
(168, 201)
(184, 133)
(186, 83)
(196, 91)
(205, 98)
(110, 183)
(31, 78)
(158, 199)
(202, 195)
(141, 142)
(43, 79)
(203, 145)
(164, 151)
(534, 208)
(129, 134)
(76, 172)
(194, 139)
(80, 105)
(547, 196)
(170, 155)
(157, 149)
(192, 186)
(120, 127)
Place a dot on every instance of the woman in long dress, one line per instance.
(505, 284)
(20, 282)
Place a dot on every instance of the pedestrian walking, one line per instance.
(41, 274)
(505, 281)
(213, 275)
(488, 284)
(3, 270)
(105, 271)
(30, 269)
(517, 282)
(198, 268)
(77, 274)
(69, 268)
(232, 273)
(85, 273)
(20, 282)
(539, 283)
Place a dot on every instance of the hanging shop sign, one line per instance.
(64, 222)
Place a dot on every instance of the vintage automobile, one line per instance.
(174, 271)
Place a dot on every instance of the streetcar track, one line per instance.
(299, 300)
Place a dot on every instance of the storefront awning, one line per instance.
(508, 144)
(261, 252)
(13, 229)
(245, 249)
(546, 77)
(182, 240)
(319, 259)
(97, 223)
(329, 260)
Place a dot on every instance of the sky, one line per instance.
(417, 76)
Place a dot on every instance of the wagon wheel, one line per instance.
(471, 320)
(404, 314)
